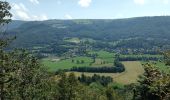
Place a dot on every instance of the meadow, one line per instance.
(53, 66)
(104, 58)
(133, 69)
(104, 55)
(141, 55)
(74, 40)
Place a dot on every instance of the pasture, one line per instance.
(141, 55)
(101, 63)
(132, 70)
(104, 58)
(104, 55)
(53, 66)
(74, 40)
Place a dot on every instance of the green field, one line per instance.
(88, 39)
(65, 64)
(133, 69)
(101, 63)
(141, 55)
(104, 55)
(74, 40)
(104, 58)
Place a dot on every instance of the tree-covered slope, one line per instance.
(153, 30)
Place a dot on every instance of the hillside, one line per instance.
(141, 32)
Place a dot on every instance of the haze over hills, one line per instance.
(152, 31)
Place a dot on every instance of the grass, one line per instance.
(104, 55)
(132, 70)
(65, 64)
(116, 85)
(74, 40)
(88, 39)
(142, 55)
(160, 65)
(163, 67)
(104, 58)
(100, 63)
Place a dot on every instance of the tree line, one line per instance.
(139, 58)
(104, 80)
(117, 68)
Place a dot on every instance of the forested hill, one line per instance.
(154, 30)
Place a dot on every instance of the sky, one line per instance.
(87, 9)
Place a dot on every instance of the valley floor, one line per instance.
(132, 70)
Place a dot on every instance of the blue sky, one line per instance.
(87, 9)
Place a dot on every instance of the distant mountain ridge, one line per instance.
(33, 33)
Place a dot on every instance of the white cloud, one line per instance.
(20, 12)
(23, 7)
(19, 6)
(84, 3)
(34, 1)
(16, 6)
(139, 2)
(23, 15)
(67, 16)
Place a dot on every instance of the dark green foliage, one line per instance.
(98, 69)
(5, 15)
(21, 77)
(68, 87)
(95, 78)
(154, 85)
(119, 67)
(54, 49)
(118, 64)
(5, 18)
(72, 60)
(5, 59)
(167, 57)
(109, 92)
(139, 58)
(82, 61)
